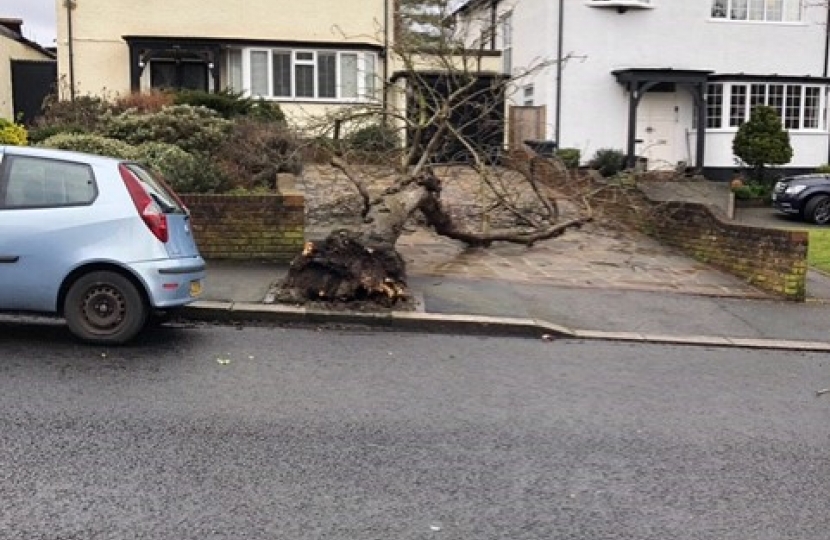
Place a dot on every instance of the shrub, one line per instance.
(255, 152)
(144, 102)
(40, 134)
(227, 102)
(570, 157)
(762, 141)
(186, 173)
(267, 111)
(823, 169)
(91, 144)
(373, 138)
(193, 129)
(751, 191)
(230, 104)
(608, 161)
(12, 134)
(83, 115)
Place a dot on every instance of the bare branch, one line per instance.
(358, 183)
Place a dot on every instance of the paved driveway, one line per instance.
(592, 257)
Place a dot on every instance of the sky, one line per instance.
(38, 18)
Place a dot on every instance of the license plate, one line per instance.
(195, 288)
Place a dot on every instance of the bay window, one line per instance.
(800, 107)
(303, 75)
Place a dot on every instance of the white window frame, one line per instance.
(727, 104)
(366, 92)
(726, 10)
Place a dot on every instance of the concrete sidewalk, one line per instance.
(498, 306)
(594, 282)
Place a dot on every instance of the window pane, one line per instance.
(793, 10)
(259, 73)
(719, 9)
(757, 96)
(756, 10)
(775, 98)
(775, 10)
(327, 74)
(370, 75)
(305, 80)
(812, 102)
(348, 75)
(792, 116)
(737, 109)
(739, 9)
(235, 69)
(282, 73)
(714, 106)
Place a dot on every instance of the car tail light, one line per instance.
(147, 208)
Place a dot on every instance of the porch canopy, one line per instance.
(203, 51)
(638, 81)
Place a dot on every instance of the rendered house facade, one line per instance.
(667, 80)
(310, 56)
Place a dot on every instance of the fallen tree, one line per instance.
(451, 116)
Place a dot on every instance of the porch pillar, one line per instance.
(633, 100)
(700, 150)
(135, 69)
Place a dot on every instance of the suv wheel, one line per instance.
(104, 308)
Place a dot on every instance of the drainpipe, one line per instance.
(559, 47)
(70, 5)
(826, 61)
(385, 70)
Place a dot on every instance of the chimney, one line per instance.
(15, 25)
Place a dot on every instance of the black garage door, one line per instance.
(32, 81)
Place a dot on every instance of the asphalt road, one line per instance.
(257, 433)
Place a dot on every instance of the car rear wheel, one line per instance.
(105, 308)
(817, 210)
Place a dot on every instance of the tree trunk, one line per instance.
(358, 265)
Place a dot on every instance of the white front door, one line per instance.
(658, 119)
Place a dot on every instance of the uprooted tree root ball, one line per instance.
(346, 268)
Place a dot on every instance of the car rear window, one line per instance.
(34, 182)
(156, 188)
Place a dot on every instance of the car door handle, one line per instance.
(8, 259)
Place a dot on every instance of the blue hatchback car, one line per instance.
(102, 242)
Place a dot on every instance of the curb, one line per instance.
(467, 325)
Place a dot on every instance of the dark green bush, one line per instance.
(266, 111)
(227, 103)
(373, 138)
(230, 104)
(821, 169)
(570, 157)
(752, 191)
(608, 161)
(762, 141)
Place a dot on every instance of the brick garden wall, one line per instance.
(774, 260)
(261, 227)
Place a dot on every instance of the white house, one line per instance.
(668, 80)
